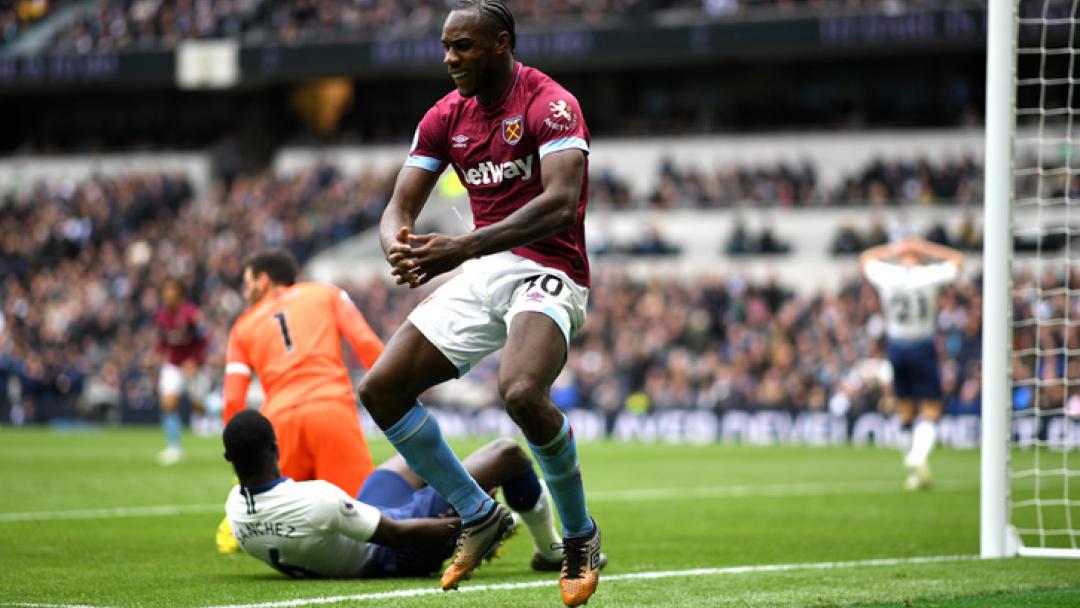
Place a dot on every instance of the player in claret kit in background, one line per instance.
(907, 275)
(519, 144)
(397, 526)
(290, 337)
(182, 346)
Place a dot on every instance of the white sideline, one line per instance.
(109, 513)
(405, 593)
(633, 495)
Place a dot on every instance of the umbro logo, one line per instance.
(460, 141)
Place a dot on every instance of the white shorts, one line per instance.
(173, 382)
(467, 318)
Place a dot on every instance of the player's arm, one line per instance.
(364, 523)
(878, 253)
(933, 250)
(162, 343)
(427, 160)
(554, 210)
(237, 377)
(352, 324)
(415, 532)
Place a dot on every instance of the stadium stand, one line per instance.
(93, 228)
(879, 182)
(111, 25)
(82, 262)
(16, 17)
(723, 342)
(86, 262)
(717, 200)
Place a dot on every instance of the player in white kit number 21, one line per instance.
(518, 142)
(907, 275)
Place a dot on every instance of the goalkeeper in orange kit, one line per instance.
(290, 337)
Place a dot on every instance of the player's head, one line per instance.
(266, 270)
(250, 445)
(910, 258)
(479, 39)
(172, 292)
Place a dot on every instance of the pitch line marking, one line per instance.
(407, 593)
(632, 495)
(115, 512)
(36, 605)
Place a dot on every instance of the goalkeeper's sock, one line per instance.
(559, 462)
(417, 437)
(530, 499)
(171, 424)
(922, 442)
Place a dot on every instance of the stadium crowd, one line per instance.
(881, 182)
(723, 342)
(112, 25)
(83, 262)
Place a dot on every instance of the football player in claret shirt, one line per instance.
(519, 144)
(182, 346)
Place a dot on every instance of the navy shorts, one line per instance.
(915, 369)
(395, 498)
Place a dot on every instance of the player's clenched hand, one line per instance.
(435, 254)
(400, 257)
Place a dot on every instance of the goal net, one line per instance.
(1041, 282)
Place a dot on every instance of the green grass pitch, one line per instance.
(805, 522)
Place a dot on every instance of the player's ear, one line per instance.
(502, 42)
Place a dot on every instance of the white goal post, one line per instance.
(1030, 471)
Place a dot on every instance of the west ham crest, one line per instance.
(513, 129)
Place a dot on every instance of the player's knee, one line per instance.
(509, 452)
(522, 396)
(372, 393)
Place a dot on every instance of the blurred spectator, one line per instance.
(894, 182)
(849, 240)
(715, 343)
(16, 16)
(81, 263)
(883, 182)
(112, 25)
(741, 242)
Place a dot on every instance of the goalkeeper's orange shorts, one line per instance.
(322, 440)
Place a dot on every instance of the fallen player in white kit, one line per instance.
(396, 526)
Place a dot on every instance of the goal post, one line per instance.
(997, 279)
(1030, 461)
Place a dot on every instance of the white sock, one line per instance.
(540, 520)
(922, 442)
(903, 440)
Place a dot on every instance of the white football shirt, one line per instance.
(307, 528)
(909, 296)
